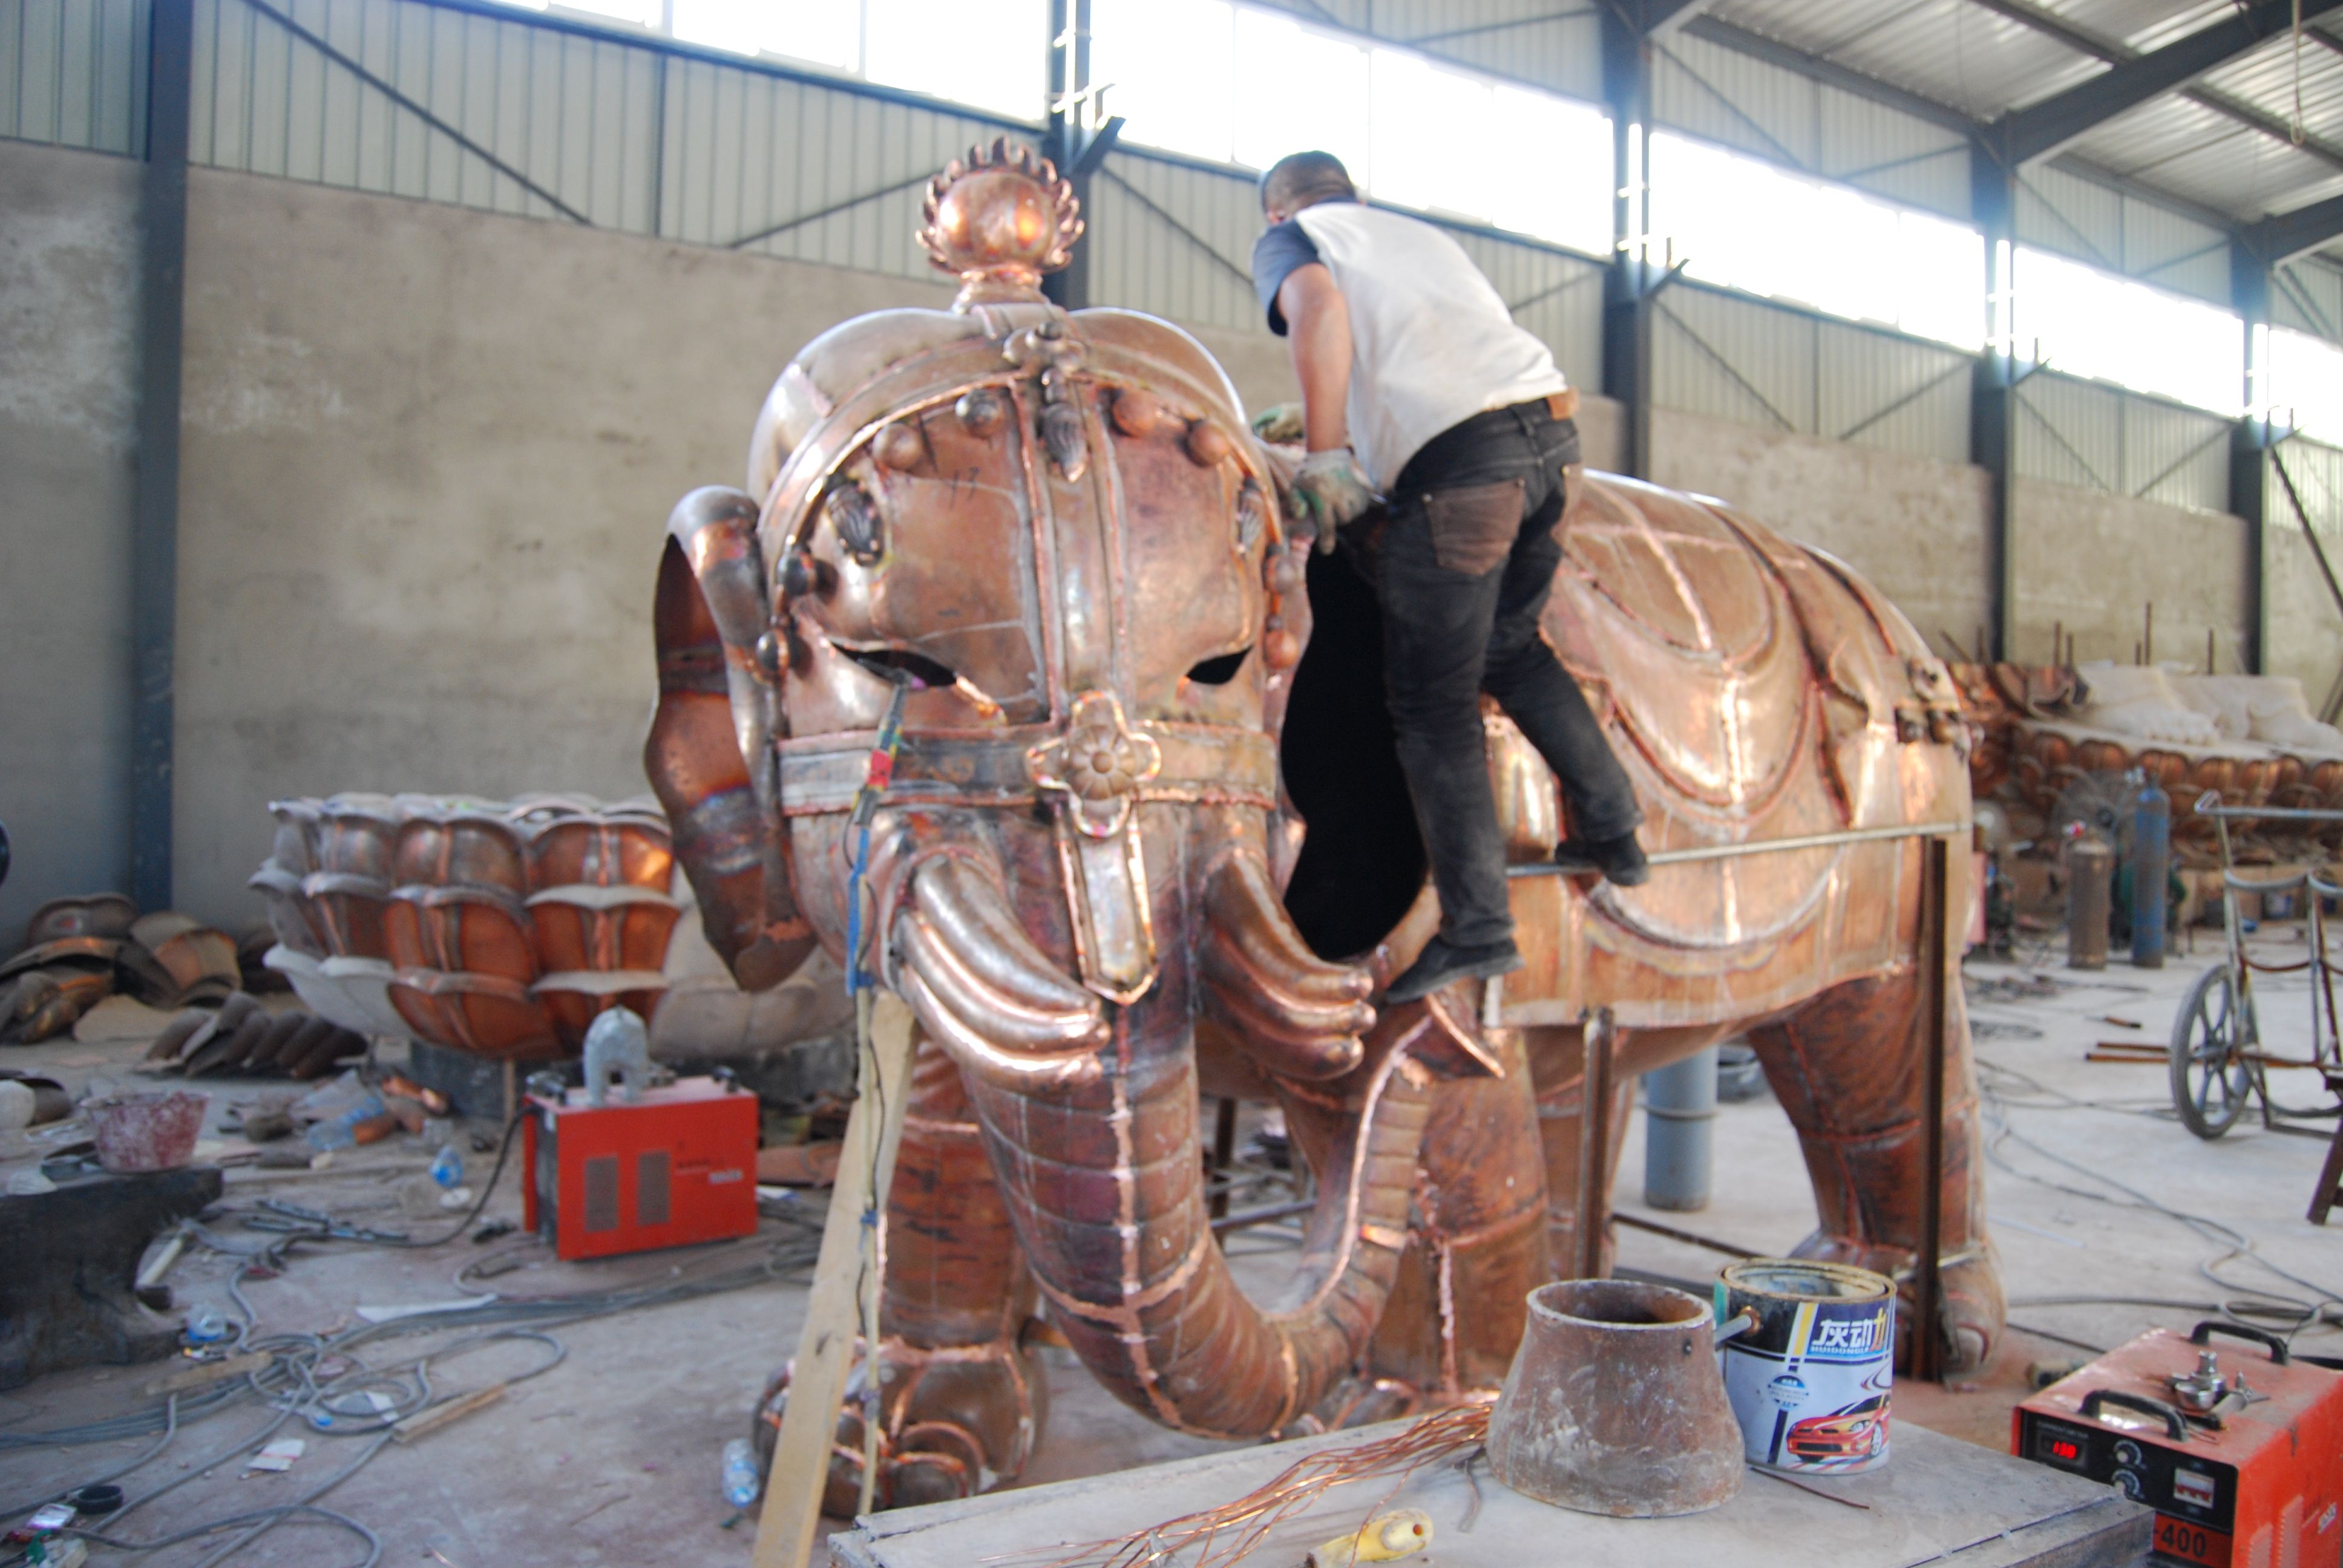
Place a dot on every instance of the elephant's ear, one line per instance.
(708, 754)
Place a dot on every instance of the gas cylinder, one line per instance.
(2090, 871)
(2151, 860)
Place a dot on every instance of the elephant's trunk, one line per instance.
(1106, 1186)
(1101, 1165)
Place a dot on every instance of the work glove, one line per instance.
(1333, 489)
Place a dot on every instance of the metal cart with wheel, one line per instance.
(2217, 1060)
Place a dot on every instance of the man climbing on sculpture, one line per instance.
(1417, 384)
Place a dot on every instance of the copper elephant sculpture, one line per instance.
(1090, 879)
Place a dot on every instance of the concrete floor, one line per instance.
(611, 1457)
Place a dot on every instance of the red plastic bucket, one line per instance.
(146, 1132)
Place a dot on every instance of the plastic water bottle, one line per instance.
(741, 1482)
(448, 1166)
(341, 1132)
(206, 1325)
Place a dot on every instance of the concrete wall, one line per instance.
(2094, 562)
(2306, 626)
(1914, 528)
(429, 457)
(68, 422)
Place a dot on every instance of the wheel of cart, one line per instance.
(2216, 1061)
(2211, 1076)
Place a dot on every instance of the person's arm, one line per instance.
(1318, 332)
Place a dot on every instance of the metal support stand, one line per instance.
(1936, 957)
(1593, 1220)
(1224, 1154)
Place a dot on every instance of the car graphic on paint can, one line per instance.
(1843, 1437)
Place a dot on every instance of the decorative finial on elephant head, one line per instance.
(998, 219)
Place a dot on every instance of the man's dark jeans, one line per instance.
(1462, 569)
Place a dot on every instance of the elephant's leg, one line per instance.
(1849, 1068)
(1476, 1240)
(961, 1402)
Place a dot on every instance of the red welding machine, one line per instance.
(677, 1165)
(2239, 1452)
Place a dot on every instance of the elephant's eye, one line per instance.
(880, 660)
(1219, 669)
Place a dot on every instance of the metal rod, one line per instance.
(2207, 806)
(1935, 946)
(1765, 845)
(1224, 1150)
(1267, 1213)
(1637, 1221)
(1593, 1149)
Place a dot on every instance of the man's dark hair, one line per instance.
(1301, 179)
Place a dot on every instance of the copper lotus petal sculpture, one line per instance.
(486, 1015)
(606, 849)
(459, 928)
(572, 1001)
(588, 927)
(460, 849)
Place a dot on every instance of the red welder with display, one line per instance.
(624, 1166)
(2239, 1450)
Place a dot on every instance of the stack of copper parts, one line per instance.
(2041, 727)
(244, 1036)
(496, 928)
(79, 951)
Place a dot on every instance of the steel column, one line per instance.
(1074, 140)
(1626, 288)
(1993, 403)
(154, 528)
(2248, 467)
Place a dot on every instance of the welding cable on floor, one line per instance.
(257, 1521)
(2325, 1309)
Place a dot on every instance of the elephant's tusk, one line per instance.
(974, 923)
(1301, 1015)
(983, 1059)
(1000, 1016)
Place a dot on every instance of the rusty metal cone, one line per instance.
(1613, 1404)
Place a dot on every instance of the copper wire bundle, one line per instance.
(1248, 1520)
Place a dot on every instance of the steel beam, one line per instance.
(2050, 24)
(155, 528)
(1660, 17)
(2289, 234)
(1993, 402)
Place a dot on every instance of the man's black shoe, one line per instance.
(1439, 963)
(1619, 861)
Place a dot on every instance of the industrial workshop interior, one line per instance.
(1172, 783)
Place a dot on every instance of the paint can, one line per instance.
(1809, 1380)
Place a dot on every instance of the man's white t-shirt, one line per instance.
(1432, 343)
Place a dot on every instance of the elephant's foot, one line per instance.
(1971, 1312)
(958, 1419)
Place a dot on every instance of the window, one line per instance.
(824, 34)
(1237, 84)
(2301, 384)
(990, 54)
(2082, 321)
(1747, 224)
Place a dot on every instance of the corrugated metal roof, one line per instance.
(1984, 57)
